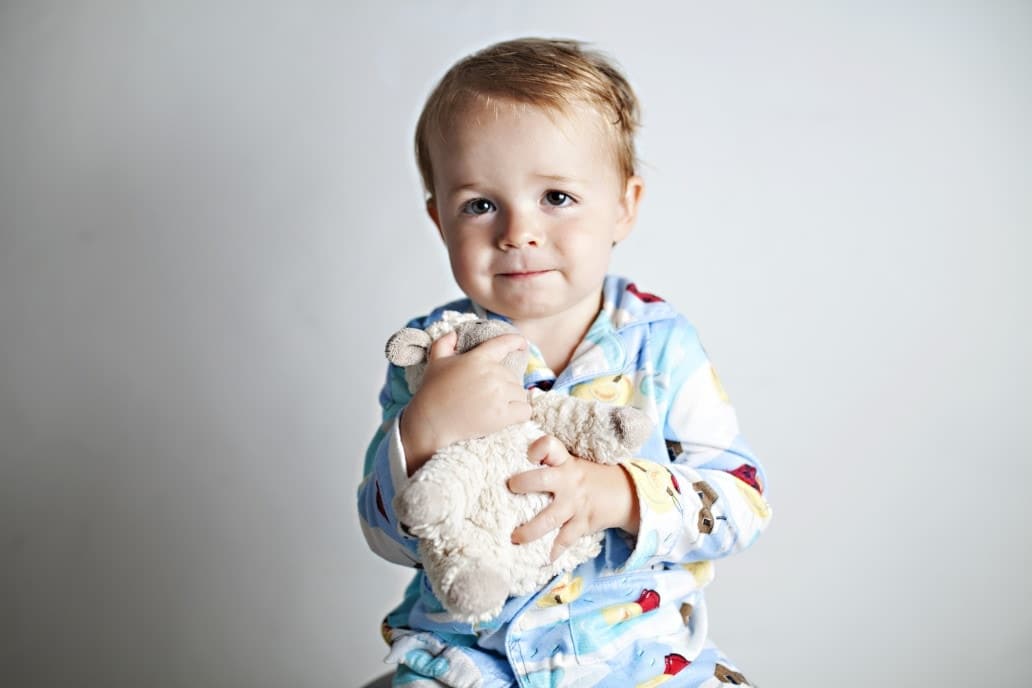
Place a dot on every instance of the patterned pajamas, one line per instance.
(635, 615)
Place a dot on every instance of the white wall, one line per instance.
(210, 221)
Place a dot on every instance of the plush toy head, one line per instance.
(409, 348)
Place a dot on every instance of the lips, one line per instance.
(523, 273)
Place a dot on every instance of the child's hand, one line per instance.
(463, 396)
(586, 496)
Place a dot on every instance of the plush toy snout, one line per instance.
(427, 506)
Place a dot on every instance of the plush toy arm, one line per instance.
(590, 429)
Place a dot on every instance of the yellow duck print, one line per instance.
(566, 590)
(534, 364)
(611, 389)
(757, 503)
(702, 571)
(655, 484)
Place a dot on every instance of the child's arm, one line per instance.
(461, 396)
(706, 504)
(384, 470)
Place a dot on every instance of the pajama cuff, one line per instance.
(396, 455)
(660, 505)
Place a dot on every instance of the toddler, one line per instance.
(526, 151)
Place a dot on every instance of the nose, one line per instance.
(519, 229)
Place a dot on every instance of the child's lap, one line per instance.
(710, 669)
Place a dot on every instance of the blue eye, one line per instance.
(477, 206)
(557, 198)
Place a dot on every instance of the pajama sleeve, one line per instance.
(384, 474)
(707, 502)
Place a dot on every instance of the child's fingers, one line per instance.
(551, 518)
(571, 531)
(547, 451)
(530, 481)
(443, 347)
(535, 480)
(497, 348)
(541, 480)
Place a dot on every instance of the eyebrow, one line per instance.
(558, 178)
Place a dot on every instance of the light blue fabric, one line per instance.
(636, 615)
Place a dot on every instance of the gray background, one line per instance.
(210, 221)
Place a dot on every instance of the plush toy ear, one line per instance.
(408, 347)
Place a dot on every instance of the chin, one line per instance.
(526, 311)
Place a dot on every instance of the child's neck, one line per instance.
(557, 337)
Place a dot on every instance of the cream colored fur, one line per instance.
(458, 504)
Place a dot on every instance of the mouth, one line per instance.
(523, 274)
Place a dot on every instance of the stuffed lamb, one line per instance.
(458, 504)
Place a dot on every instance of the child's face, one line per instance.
(529, 203)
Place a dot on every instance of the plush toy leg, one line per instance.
(631, 426)
(591, 429)
(471, 590)
(478, 591)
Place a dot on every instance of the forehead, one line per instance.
(485, 129)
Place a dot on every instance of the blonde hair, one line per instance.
(548, 73)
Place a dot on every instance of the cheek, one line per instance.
(588, 240)
(593, 252)
(467, 252)
(471, 246)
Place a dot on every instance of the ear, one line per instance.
(408, 347)
(633, 191)
(431, 210)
